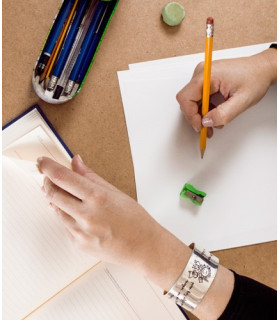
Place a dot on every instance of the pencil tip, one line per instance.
(202, 153)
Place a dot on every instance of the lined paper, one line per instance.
(109, 292)
(38, 258)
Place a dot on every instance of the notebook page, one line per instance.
(108, 292)
(25, 151)
(34, 143)
(27, 123)
(38, 258)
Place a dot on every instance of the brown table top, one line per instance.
(93, 123)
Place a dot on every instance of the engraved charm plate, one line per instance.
(195, 280)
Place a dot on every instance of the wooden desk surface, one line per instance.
(93, 123)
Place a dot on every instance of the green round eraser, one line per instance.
(173, 13)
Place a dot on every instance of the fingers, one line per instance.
(209, 132)
(72, 227)
(62, 199)
(68, 221)
(225, 112)
(190, 97)
(79, 167)
(64, 178)
(72, 191)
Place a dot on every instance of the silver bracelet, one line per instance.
(196, 279)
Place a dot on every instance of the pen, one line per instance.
(53, 36)
(46, 69)
(102, 5)
(67, 44)
(93, 45)
(61, 83)
(60, 39)
(69, 19)
(206, 79)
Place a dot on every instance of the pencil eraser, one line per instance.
(210, 20)
(190, 192)
(173, 13)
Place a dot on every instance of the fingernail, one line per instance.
(38, 164)
(39, 160)
(196, 129)
(39, 168)
(207, 122)
(80, 159)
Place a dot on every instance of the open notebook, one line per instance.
(44, 276)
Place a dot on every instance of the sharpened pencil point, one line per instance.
(202, 153)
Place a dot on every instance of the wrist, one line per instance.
(166, 259)
(270, 64)
(204, 287)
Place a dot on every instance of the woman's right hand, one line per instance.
(242, 82)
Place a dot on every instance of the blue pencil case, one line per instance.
(70, 48)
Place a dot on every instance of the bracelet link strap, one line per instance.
(196, 279)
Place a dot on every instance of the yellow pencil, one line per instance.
(43, 75)
(206, 79)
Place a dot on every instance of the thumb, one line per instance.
(79, 167)
(225, 112)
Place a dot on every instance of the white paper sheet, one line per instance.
(238, 172)
(196, 58)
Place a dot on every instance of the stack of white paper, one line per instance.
(238, 171)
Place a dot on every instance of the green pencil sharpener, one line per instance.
(189, 192)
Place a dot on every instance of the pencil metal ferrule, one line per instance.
(69, 87)
(52, 83)
(209, 30)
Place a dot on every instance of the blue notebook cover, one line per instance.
(182, 310)
(46, 120)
